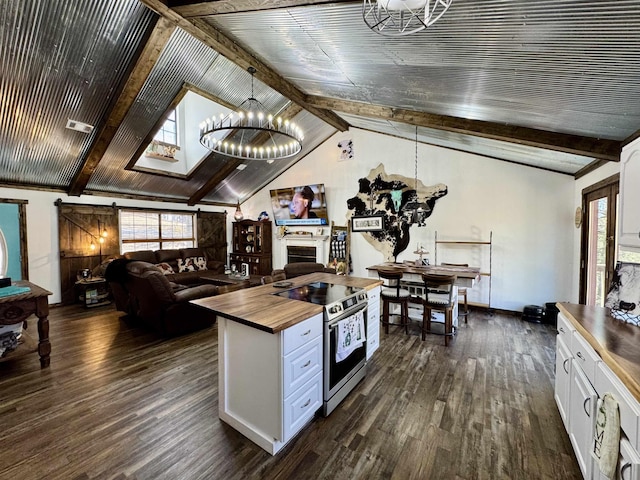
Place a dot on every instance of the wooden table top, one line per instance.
(35, 292)
(463, 272)
(615, 341)
(258, 307)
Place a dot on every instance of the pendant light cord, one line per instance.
(416, 165)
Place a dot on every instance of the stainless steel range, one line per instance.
(343, 307)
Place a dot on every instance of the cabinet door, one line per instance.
(582, 409)
(630, 195)
(628, 463)
(563, 379)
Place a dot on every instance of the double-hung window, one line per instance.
(156, 230)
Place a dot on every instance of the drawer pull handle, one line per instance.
(624, 467)
(564, 366)
(306, 364)
(306, 404)
(561, 330)
(584, 405)
(579, 355)
(306, 333)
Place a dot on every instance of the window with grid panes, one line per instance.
(168, 133)
(153, 230)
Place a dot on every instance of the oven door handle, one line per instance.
(333, 324)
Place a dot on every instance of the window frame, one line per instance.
(160, 240)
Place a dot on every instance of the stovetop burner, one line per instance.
(320, 293)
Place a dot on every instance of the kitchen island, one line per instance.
(270, 359)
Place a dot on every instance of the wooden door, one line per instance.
(80, 226)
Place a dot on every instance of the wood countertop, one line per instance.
(617, 342)
(259, 308)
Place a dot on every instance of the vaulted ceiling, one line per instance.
(553, 84)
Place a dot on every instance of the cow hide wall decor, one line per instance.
(389, 195)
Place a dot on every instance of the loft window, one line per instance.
(168, 133)
(154, 230)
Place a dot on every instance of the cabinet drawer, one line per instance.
(302, 364)
(301, 406)
(565, 329)
(607, 381)
(301, 333)
(585, 356)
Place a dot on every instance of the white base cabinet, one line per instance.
(270, 385)
(373, 321)
(581, 379)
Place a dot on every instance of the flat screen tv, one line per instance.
(305, 205)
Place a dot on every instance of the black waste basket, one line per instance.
(551, 313)
(532, 313)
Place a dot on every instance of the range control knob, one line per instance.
(335, 309)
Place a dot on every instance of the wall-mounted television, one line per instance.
(303, 205)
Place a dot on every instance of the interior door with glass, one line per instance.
(598, 256)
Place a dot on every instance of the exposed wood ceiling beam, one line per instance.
(190, 9)
(600, 149)
(291, 111)
(244, 59)
(138, 75)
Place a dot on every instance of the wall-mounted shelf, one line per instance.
(463, 243)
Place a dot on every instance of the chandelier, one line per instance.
(395, 18)
(251, 132)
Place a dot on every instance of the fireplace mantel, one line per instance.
(317, 241)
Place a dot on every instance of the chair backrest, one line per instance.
(390, 279)
(454, 264)
(266, 279)
(438, 289)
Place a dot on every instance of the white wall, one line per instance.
(42, 230)
(529, 211)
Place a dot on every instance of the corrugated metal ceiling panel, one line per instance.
(522, 154)
(54, 77)
(558, 65)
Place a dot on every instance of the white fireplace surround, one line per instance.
(317, 241)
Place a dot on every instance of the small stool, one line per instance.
(392, 293)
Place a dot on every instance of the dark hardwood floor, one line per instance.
(121, 403)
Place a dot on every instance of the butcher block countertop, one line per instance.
(259, 308)
(617, 343)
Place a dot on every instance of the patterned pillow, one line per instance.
(191, 264)
(166, 268)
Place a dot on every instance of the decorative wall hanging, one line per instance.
(377, 196)
(367, 223)
(345, 150)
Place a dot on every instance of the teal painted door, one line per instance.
(10, 253)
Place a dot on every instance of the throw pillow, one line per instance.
(165, 267)
(192, 264)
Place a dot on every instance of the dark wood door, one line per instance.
(80, 226)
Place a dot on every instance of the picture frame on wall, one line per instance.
(367, 223)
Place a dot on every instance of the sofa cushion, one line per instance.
(165, 268)
(192, 252)
(148, 256)
(166, 256)
(192, 264)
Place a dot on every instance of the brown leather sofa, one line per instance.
(141, 290)
(187, 259)
(296, 269)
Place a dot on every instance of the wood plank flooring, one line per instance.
(120, 403)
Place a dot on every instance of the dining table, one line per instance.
(466, 277)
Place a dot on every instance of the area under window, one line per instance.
(153, 230)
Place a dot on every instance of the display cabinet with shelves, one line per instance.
(252, 246)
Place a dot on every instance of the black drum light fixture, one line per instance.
(251, 132)
(396, 18)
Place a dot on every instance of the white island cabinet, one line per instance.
(373, 321)
(629, 223)
(270, 384)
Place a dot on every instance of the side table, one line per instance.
(17, 308)
(93, 292)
